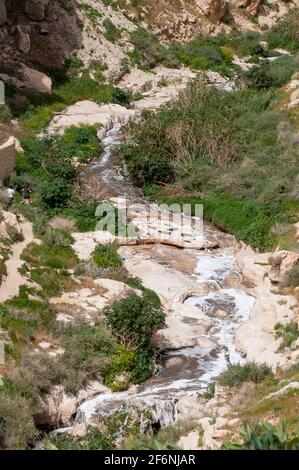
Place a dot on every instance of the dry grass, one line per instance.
(60, 223)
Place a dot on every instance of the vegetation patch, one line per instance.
(106, 256)
(265, 436)
(288, 333)
(236, 374)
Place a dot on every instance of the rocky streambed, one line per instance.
(219, 300)
(200, 285)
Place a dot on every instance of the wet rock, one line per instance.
(220, 314)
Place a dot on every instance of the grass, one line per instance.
(112, 33)
(55, 257)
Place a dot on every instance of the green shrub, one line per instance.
(81, 142)
(265, 436)
(88, 352)
(106, 256)
(236, 374)
(128, 365)
(148, 51)
(203, 53)
(57, 237)
(94, 440)
(54, 193)
(17, 428)
(135, 318)
(271, 74)
(288, 334)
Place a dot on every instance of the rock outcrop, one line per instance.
(35, 34)
(280, 263)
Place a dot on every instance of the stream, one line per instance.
(187, 370)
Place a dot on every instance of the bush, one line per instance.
(135, 318)
(236, 374)
(271, 74)
(57, 237)
(14, 234)
(148, 51)
(106, 256)
(88, 351)
(81, 142)
(288, 333)
(54, 193)
(17, 428)
(203, 53)
(94, 440)
(128, 365)
(265, 436)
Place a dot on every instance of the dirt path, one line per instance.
(10, 286)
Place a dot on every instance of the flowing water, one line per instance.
(189, 369)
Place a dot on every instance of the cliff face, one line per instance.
(41, 34)
(36, 33)
(183, 19)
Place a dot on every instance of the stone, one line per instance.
(36, 9)
(23, 39)
(220, 314)
(265, 45)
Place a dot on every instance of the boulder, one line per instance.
(36, 9)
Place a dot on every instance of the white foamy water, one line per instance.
(211, 267)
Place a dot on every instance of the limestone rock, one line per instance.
(281, 262)
(190, 442)
(252, 6)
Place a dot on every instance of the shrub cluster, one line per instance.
(236, 374)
